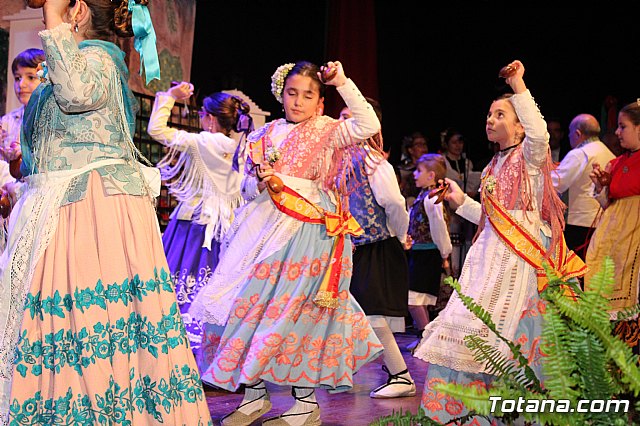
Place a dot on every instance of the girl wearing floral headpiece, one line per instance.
(102, 341)
(201, 174)
(282, 284)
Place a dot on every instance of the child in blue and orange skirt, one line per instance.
(282, 284)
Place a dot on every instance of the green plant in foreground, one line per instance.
(584, 361)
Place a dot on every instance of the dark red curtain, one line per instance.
(351, 39)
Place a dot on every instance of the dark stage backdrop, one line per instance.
(434, 68)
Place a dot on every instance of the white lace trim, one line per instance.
(498, 280)
(34, 221)
(258, 231)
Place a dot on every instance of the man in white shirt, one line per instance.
(572, 174)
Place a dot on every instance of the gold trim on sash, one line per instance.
(564, 262)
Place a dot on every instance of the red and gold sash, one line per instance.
(563, 261)
(337, 224)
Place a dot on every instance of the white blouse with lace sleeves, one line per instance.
(536, 142)
(81, 77)
(199, 166)
(364, 122)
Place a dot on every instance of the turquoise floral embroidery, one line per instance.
(156, 398)
(92, 128)
(120, 172)
(81, 349)
(98, 296)
(77, 189)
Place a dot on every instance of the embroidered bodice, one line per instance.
(83, 121)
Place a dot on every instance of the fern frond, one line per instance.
(559, 364)
(595, 300)
(406, 419)
(496, 363)
(629, 313)
(484, 316)
(595, 380)
(616, 349)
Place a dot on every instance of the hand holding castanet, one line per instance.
(507, 71)
(440, 191)
(265, 173)
(5, 205)
(275, 184)
(14, 167)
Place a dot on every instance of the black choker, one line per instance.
(510, 147)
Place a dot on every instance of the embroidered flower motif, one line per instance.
(430, 402)
(272, 155)
(277, 80)
(262, 271)
(316, 267)
(454, 407)
(490, 184)
(241, 308)
(294, 271)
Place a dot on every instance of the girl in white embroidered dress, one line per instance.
(496, 277)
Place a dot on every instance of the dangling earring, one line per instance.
(75, 26)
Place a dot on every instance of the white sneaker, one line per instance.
(398, 386)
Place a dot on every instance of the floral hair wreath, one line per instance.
(277, 80)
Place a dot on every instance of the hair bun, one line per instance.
(241, 105)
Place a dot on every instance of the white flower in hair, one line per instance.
(277, 80)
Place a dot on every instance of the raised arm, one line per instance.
(536, 142)
(158, 127)
(80, 77)
(364, 122)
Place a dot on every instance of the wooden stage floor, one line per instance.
(352, 408)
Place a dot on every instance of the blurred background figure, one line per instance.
(461, 231)
(557, 141)
(414, 146)
(572, 176)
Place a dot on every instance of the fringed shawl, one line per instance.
(191, 182)
(514, 192)
(320, 149)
